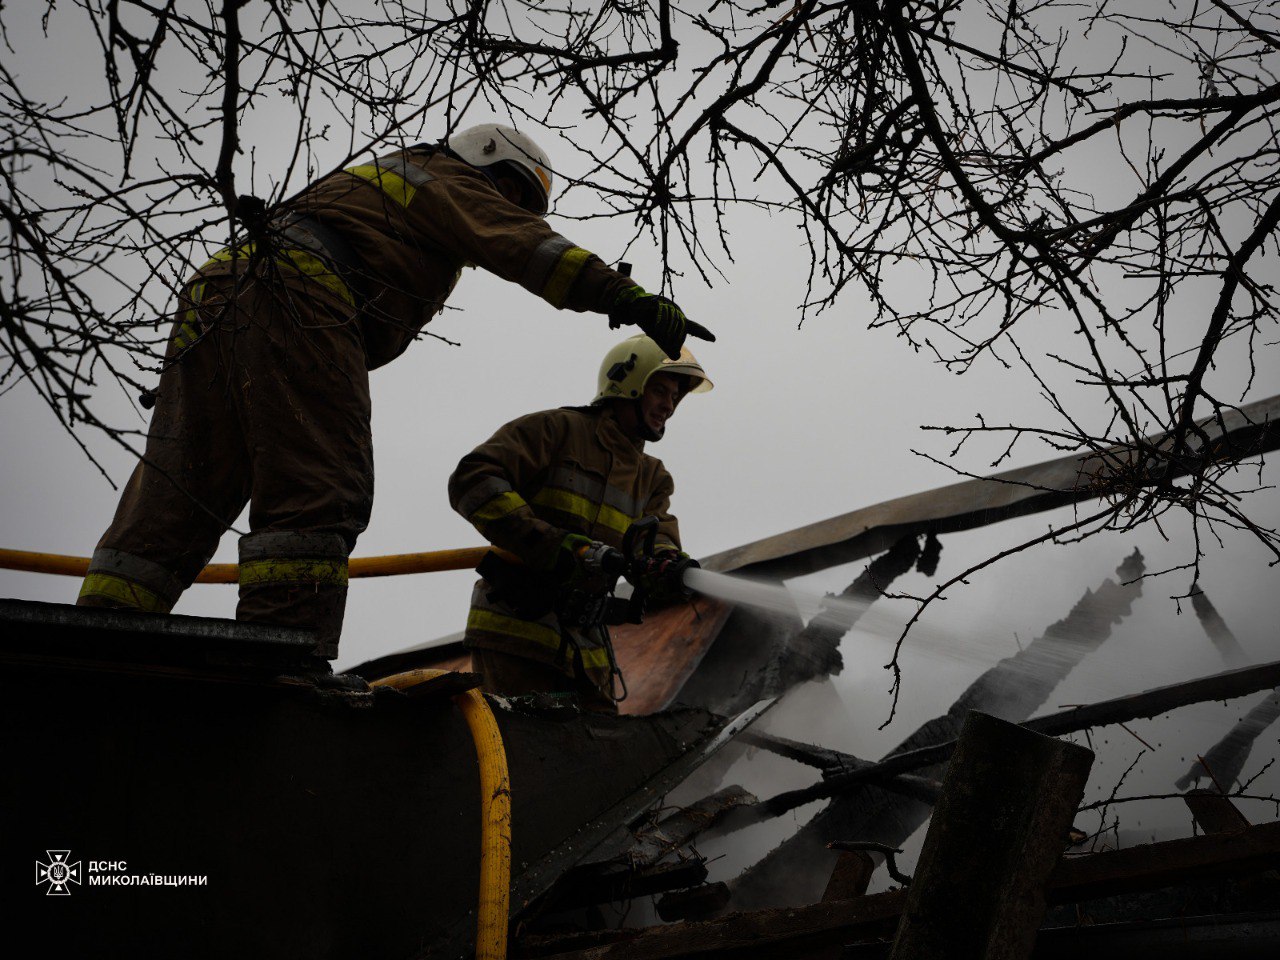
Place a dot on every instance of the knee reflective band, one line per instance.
(494, 907)
(282, 557)
(122, 579)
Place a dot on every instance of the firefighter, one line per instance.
(556, 489)
(264, 397)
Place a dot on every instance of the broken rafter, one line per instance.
(641, 846)
(1226, 759)
(815, 650)
(1151, 703)
(1247, 431)
(833, 763)
(1013, 689)
(790, 931)
(824, 758)
(1232, 653)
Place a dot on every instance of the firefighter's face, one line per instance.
(517, 190)
(662, 394)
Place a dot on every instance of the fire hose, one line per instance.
(434, 561)
(494, 904)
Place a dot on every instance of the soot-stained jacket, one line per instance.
(541, 476)
(389, 238)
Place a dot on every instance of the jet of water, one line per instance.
(881, 626)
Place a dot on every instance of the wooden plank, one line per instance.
(657, 657)
(1251, 430)
(1152, 703)
(1214, 812)
(850, 877)
(1156, 865)
(789, 931)
(997, 831)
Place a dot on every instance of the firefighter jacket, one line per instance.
(540, 477)
(388, 240)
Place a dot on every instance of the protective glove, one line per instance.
(661, 319)
(581, 558)
(662, 577)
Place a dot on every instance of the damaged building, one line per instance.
(268, 807)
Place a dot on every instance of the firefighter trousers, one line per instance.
(264, 400)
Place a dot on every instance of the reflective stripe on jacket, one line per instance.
(412, 220)
(544, 475)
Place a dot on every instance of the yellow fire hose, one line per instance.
(493, 908)
(392, 565)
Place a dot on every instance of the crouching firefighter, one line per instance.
(573, 496)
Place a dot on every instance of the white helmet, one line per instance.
(628, 366)
(490, 143)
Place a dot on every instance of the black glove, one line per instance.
(581, 558)
(661, 319)
(662, 577)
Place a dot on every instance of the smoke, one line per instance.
(873, 630)
(963, 636)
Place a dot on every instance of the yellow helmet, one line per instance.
(628, 366)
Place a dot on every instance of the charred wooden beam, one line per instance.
(790, 931)
(1217, 629)
(1247, 431)
(997, 831)
(824, 758)
(815, 650)
(619, 882)
(694, 903)
(1165, 864)
(1152, 703)
(1215, 813)
(650, 842)
(539, 877)
(1011, 690)
(851, 876)
(765, 654)
(1225, 760)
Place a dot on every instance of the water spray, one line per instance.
(839, 613)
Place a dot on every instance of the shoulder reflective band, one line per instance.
(396, 176)
(187, 332)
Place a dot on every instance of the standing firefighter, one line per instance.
(265, 394)
(558, 489)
